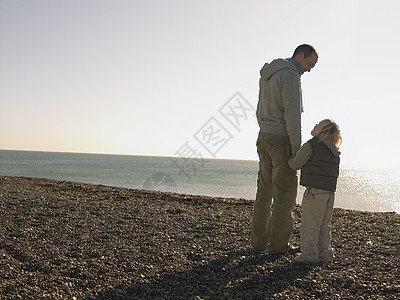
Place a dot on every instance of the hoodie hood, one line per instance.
(276, 65)
(335, 151)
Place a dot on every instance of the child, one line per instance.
(319, 161)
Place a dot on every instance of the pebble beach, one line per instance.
(70, 240)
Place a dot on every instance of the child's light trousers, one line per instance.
(315, 229)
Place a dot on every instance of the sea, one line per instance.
(365, 190)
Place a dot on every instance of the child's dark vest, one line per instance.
(322, 170)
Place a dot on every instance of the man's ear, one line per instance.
(299, 57)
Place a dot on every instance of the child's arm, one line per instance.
(301, 157)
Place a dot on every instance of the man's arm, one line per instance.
(291, 97)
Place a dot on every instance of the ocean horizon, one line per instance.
(365, 190)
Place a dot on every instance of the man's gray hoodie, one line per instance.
(279, 105)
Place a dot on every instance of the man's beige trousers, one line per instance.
(273, 221)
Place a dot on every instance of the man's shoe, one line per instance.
(294, 250)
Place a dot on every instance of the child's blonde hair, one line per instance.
(330, 130)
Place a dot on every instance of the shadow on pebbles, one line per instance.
(67, 240)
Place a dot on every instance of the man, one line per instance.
(279, 117)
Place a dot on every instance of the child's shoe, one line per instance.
(298, 259)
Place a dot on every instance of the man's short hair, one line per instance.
(308, 50)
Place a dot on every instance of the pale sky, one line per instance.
(146, 77)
